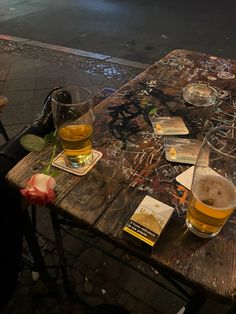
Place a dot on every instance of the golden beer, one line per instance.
(77, 142)
(211, 203)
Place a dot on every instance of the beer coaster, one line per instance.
(186, 177)
(168, 125)
(60, 162)
(182, 150)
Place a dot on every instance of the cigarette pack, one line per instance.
(148, 221)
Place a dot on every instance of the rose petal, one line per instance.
(40, 189)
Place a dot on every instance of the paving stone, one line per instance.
(90, 273)
(111, 287)
(89, 65)
(11, 129)
(3, 74)
(43, 82)
(49, 246)
(80, 266)
(78, 309)
(16, 99)
(39, 288)
(98, 291)
(24, 290)
(119, 253)
(124, 277)
(99, 279)
(44, 226)
(1, 86)
(18, 306)
(27, 113)
(106, 246)
(25, 278)
(141, 308)
(112, 269)
(92, 258)
(123, 298)
(39, 96)
(19, 84)
(23, 70)
(51, 259)
(93, 300)
(136, 285)
(88, 287)
(78, 277)
(73, 245)
(70, 260)
(41, 241)
(157, 297)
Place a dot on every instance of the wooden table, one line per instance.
(133, 165)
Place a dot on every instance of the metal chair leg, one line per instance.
(61, 253)
(35, 251)
(3, 131)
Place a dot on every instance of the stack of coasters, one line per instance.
(60, 162)
(147, 223)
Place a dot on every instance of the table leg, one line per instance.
(32, 242)
(61, 253)
(195, 304)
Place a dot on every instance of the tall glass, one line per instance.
(73, 116)
(213, 191)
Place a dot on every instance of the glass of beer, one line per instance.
(73, 117)
(213, 191)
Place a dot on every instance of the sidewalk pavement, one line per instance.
(100, 272)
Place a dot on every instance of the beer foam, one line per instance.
(215, 191)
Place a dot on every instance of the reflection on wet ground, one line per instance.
(88, 65)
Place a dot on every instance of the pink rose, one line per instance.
(39, 189)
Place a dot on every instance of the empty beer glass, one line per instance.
(73, 116)
(213, 192)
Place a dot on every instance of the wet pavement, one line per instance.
(29, 72)
(99, 272)
(136, 30)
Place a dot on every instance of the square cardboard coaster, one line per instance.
(169, 125)
(186, 177)
(182, 150)
(60, 162)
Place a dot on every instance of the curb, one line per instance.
(77, 52)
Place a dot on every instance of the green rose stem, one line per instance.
(48, 169)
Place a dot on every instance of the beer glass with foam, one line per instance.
(213, 191)
(73, 116)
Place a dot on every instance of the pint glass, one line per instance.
(213, 191)
(73, 116)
